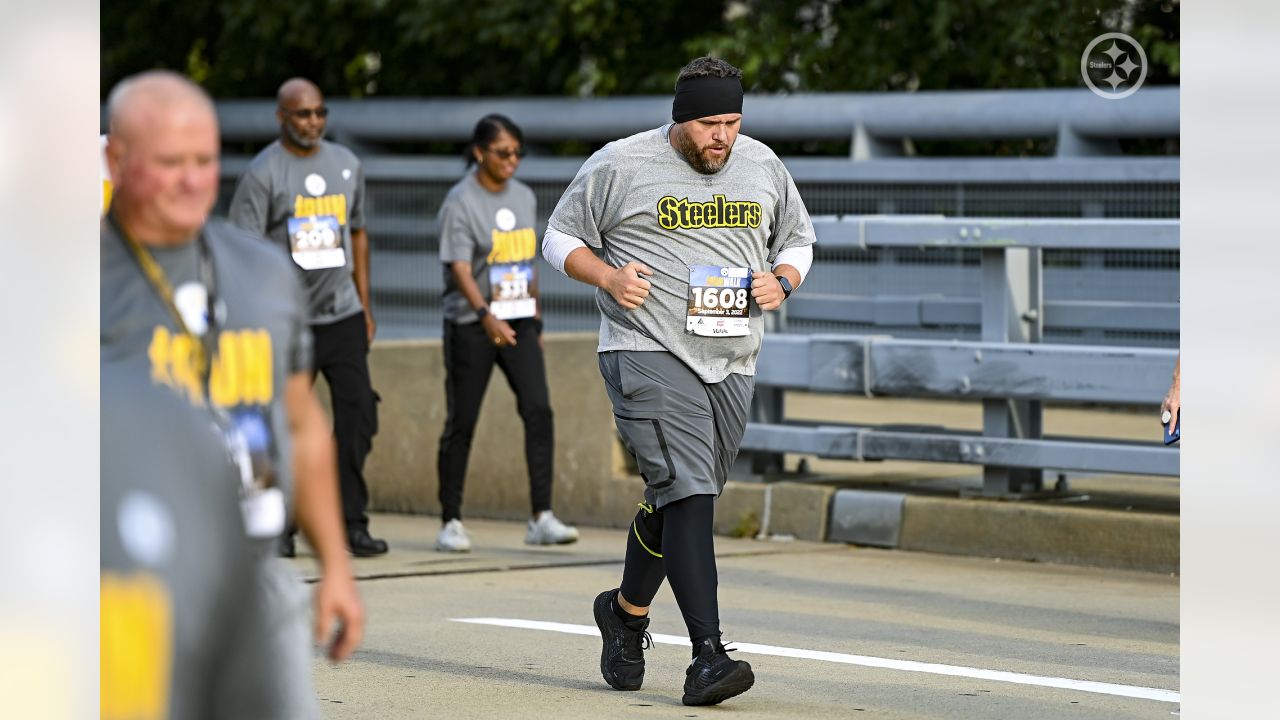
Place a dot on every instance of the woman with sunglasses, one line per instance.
(492, 315)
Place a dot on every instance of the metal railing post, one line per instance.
(1012, 311)
(767, 406)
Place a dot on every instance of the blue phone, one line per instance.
(1173, 437)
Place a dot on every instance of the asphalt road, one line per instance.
(831, 631)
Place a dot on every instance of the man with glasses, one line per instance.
(307, 194)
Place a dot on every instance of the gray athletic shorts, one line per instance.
(683, 432)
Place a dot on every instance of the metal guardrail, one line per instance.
(1088, 177)
(907, 285)
(811, 170)
(1010, 370)
(983, 233)
(887, 366)
(1082, 123)
(1094, 295)
(921, 310)
(848, 442)
(936, 311)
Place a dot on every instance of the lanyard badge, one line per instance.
(249, 440)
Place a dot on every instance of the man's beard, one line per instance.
(689, 149)
(299, 139)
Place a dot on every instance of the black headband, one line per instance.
(702, 96)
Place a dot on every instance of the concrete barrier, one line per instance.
(401, 471)
(1018, 531)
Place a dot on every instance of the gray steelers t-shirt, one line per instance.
(182, 623)
(638, 199)
(308, 206)
(495, 233)
(262, 340)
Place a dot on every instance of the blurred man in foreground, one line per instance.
(181, 631)
(197, 306)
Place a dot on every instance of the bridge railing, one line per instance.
(1094, 295)
(1009, 369)
(875, 124)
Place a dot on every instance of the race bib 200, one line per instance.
(316, 242)
(719, 301)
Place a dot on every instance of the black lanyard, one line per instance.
(154, 274)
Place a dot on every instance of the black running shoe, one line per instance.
(714, 677)
(622, 659)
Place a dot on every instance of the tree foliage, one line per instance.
(937, 45)
(245, 48)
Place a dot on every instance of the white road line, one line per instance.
(1133, 691)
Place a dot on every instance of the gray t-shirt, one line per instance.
(178, 598)
(638, 199)
(308, 206)
(262, 340)
(491, 231)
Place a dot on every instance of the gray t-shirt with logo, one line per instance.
(177, 590)
(262, 340)
(308, 206)
(638, 199)
(495, 233)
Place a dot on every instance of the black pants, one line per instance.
(342, 356)
(469, 357)
(676, 542)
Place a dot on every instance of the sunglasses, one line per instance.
(506, 154)
(321, 112)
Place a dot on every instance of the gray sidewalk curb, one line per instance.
(958, 526)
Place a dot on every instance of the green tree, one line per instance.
(245, 48)
(889, 45)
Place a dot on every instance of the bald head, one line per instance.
(301, 112)
(162, 152)
(295, 89)
(144, 98)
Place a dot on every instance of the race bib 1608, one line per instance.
(719, 301)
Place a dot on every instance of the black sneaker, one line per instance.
(714, 677)
(363, 544)
(622, 659)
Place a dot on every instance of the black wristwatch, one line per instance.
(786, 286)
(482, 312)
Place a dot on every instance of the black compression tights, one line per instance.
(681, 533)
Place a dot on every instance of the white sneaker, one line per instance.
(453, 538)
(548, 530)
